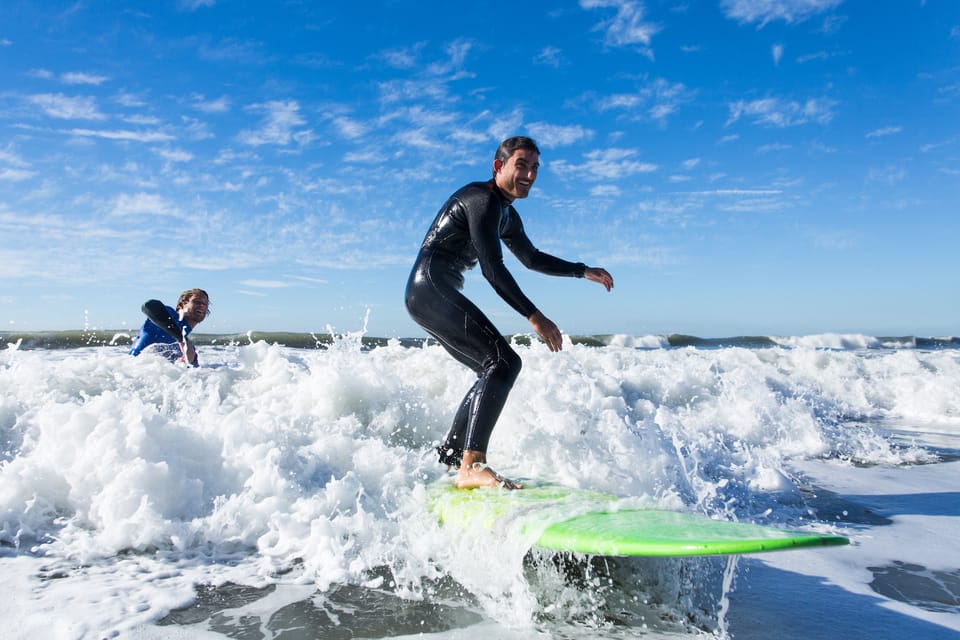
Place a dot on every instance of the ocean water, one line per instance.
(281, 490)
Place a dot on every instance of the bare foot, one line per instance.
(480, 475)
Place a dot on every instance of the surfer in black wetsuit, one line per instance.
(467, 230)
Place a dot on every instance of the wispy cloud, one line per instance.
(884, 131)
(607, 164)
(349, 128)
(193, 5)
(777, 112)
(889, 175)
(279, 125)
(121, 134)
(144, 204)
(656, 100)
(217, 105)
(83, 78)
(457, 52)
(736, 192)
(58, 105)
(627, 27)
(549, 56)
(9, 157)
(16, 175)
(551, 135)
(766, 11)
(605, 191)
(403, 58)
(777, 52)
(265, 284)
(175, 155)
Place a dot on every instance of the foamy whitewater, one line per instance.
(280, 492)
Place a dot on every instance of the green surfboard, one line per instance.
(559, 518)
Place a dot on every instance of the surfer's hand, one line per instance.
(189, 352)
(596, 274)
(547, 331)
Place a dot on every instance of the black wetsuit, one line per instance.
(467, 230)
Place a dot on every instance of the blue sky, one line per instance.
(741, 167)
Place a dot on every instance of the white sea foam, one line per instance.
(125, 482)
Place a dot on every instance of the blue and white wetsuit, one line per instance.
(151, 334)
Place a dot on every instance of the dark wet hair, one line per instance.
(508, 146)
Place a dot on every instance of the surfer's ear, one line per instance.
(497, 165)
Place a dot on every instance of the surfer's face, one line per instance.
(516, 176)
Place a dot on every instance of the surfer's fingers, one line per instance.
(506, 483)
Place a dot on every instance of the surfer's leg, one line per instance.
(483, 405)
(451, 451)
(469, 336)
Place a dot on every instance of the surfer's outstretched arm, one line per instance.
(160, 315)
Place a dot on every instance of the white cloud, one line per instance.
(129, 100)
(83, 78)
(141, 119)
(656, 100)
(57, 105)
(365, 157)
(607, 164)
(405, 58)
(349, 128)
(766, 11)
(777, 52)
(279, 126)
(193, 5)
(627, 27)
(16, 175)
(884, 131)
(12, 158)
(605, 191)
(550, 135)
(620, 101)
(135, 136)
(890, 174)
(144, 204)
(175, 155)
(549, 56)
(456, 55)
(220, 105)
(738, 192)
(773, 147)
(783, 113)
(265, 284)
(691, 163)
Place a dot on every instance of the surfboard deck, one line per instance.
(559, 518)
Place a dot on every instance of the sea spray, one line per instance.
(278, 466)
